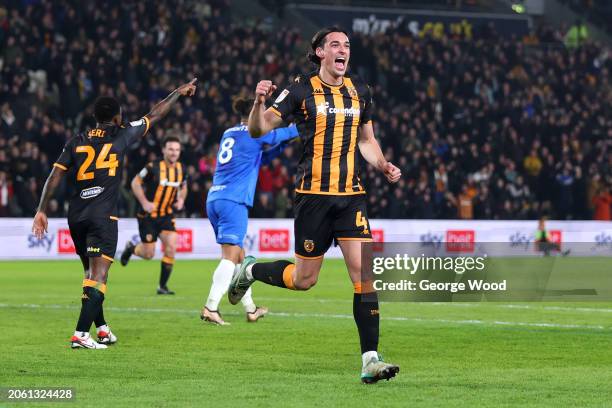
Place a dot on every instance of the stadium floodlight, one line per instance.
(518, 8)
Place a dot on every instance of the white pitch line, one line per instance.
(558, 308)
(443, 304)
(323, 315)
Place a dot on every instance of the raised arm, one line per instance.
(262, 121)
(162, 108)
(40, 225)
(370, 150)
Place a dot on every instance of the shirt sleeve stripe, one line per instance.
(60, 166)
(276, 112)
(148, 122)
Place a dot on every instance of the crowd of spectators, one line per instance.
(493, 129)
(482, 127)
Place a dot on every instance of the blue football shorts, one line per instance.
(229, 220)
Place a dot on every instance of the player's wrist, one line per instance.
(382, 164)
(259, 100)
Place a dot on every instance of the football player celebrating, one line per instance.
(95, 161)
(333, 112)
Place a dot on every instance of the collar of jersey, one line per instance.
(330, 85)
(170, 165)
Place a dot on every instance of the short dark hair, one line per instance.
(168, 139)
(318, 40)
(242, 105)
(106, 108)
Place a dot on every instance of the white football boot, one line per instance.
(85, 342)
(105, 335)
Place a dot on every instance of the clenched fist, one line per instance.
(264, 89)
(392, 173)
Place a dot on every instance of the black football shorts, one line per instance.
(150, 228)
(96, 237)
(319, 219)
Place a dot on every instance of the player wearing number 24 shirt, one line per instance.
(230, 196)
(93, 162)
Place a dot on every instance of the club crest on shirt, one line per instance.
(352, 91)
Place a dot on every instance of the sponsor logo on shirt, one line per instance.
(324, 109)
(217, 188)
(167, 183)
(91, 192)
(139, 122)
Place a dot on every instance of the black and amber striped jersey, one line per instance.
(328, 118)
(161, 183)
(94, 160)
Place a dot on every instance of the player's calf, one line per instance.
(304, 283)
(144, 250)
(282, 274)
(167, 264)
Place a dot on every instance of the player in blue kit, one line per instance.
(230, 196)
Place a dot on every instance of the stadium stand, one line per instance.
(482, 127)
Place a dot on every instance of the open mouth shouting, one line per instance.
(340, 63)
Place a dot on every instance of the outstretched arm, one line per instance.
(161, 109)
(262, 121)
(370, 150)
(39, 227)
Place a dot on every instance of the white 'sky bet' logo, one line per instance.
(324, 109)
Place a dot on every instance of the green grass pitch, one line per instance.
(305, 353)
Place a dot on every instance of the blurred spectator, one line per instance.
(465, 203)
(602, 203)
(6, 194)
(265, 182)
(282, 204)
(263, 207)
